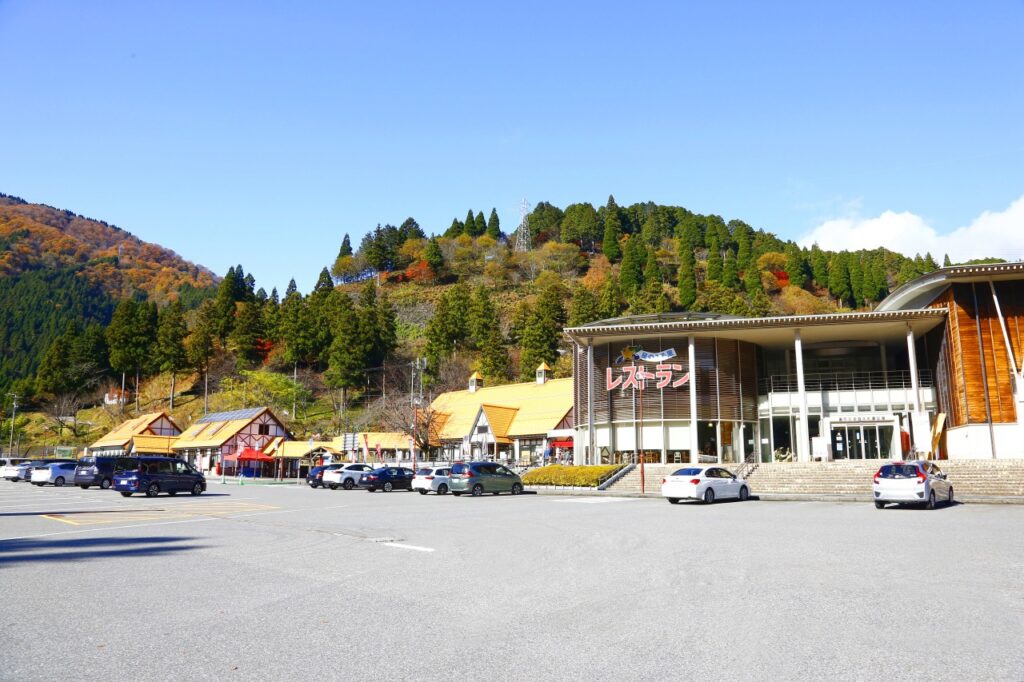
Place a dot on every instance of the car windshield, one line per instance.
(688, 472)
(898, 471)
(460, 469)
(86, 462)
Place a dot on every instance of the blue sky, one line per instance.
(261, 132)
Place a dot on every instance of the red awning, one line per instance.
(250, 455)
(561, 443)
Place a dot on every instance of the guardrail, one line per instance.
(845, 381)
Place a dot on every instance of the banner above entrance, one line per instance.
(635, 376)
(638, 353)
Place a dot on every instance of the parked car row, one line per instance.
(470, 478)
(918, 482)
(127, 475)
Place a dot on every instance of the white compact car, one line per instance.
(345, 477)
(706, 483)
(916, 482)
(58, 474)
(432, 478)
(9, 470)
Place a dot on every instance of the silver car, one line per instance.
(58, 473)
(917, 482)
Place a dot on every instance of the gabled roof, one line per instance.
(388, 440)
(217, 428)
(538, 408)
(298, 449)
(126, 431)
(500, 418)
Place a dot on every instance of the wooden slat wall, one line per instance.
(728, 379)
(972, 362)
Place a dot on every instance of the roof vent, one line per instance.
(542, 373)
(475, 382)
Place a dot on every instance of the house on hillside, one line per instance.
(149, 434)
(219, 438)
(515, 423)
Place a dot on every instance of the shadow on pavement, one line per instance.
(31, 550)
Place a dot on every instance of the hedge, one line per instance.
(583, 476)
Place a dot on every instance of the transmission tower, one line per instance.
(523, 242)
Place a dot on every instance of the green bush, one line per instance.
(583, 476)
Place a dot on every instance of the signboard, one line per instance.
(633, 353)
(636, 376)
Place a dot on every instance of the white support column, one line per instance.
(694, 441)
(802, 441)
(912, 356)
(594, 458)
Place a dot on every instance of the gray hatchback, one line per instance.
(477, 478)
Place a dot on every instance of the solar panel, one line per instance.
(247, 413)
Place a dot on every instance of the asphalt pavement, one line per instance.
(284, 582)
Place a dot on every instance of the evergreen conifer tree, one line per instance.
(583, 307)
(714, 270)
(346, 247)
(470, 224)
(631, 275)
(457, 227)
(819, 266)
(839, 278)
(610, 302)
(796, 265)
(730, 274)
(612, 231)
(170, 343)
(494, 226)
(480, 226)
(945, 261)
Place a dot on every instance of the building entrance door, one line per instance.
(861, 441)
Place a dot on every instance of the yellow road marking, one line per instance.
(51, 516)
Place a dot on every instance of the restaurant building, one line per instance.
(935, 369)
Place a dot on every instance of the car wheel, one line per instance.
(442, 489)
(744, 494)
(59, 482)
(709, 496)
(457, 494)
(333, 486)
(84, 487)
(516, 488)
(125, 493)
(478, 490)
(949, 498)
(105, 484)
(673, 500)
(197, 489)
(879, 505)
(388, 487)
(153, 490)
(370, 490)
(311, 484)
(421, 491)
(348, 484)
(930, 504)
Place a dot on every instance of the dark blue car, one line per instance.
(387, 479)
(100, 470)
(156, 475)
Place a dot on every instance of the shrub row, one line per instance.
(557, 474)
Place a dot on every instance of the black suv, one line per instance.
(387, 479)
(156, 475)
(100, 470)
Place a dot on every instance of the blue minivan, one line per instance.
(155, 475)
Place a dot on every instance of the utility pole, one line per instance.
(14, 413)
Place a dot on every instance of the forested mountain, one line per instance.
(35, 236)
(59, 269)
(470, 298)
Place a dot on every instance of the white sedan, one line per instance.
(706, 483)
(345, 477)
(432, 478)
(57, 474)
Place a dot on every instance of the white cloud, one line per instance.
(996, 234)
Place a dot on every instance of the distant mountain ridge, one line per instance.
(40, 237)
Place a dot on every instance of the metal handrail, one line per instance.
(845, 381)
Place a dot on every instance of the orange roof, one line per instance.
(123, 434)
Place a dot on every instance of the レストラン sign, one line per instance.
(637, 376)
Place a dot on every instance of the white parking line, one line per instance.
(598, 500)
(412, 547)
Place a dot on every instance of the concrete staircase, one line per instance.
(1001, 479)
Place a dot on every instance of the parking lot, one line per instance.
(272, 582)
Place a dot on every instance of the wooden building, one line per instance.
(217, 439)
